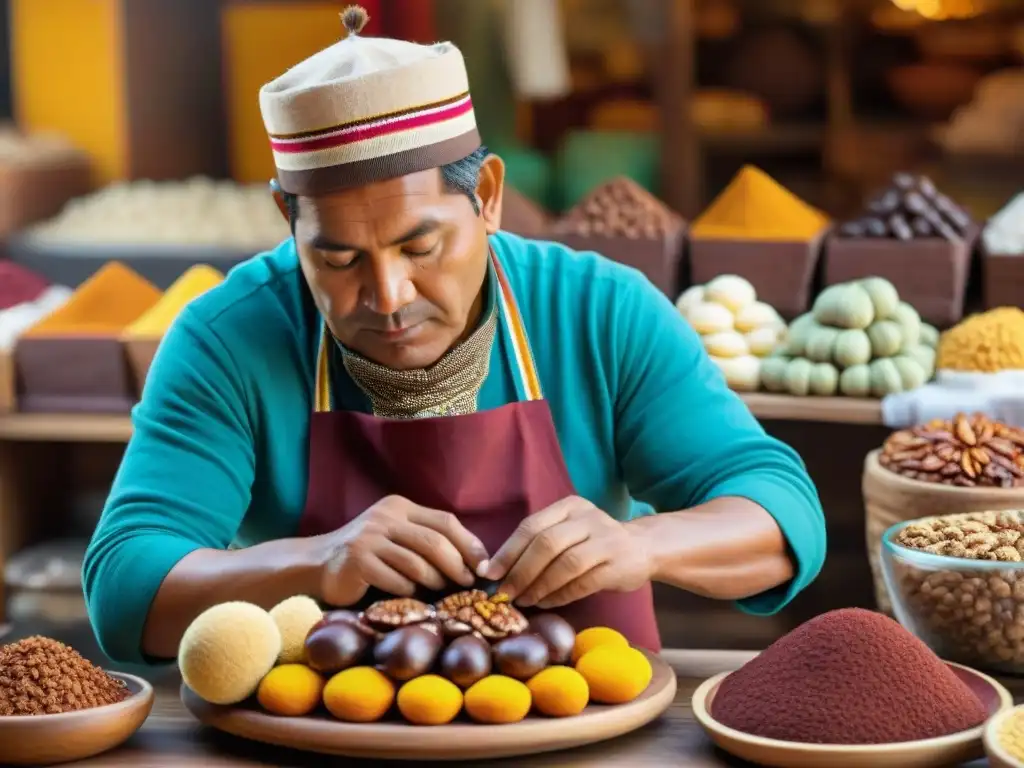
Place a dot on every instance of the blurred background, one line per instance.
(133, 134)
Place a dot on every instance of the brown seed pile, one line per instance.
(970, 615)
(973, 536)
(968, 451)
(40, 676)
(620, 208)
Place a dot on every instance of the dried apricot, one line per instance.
(291, 690)
(591, 638)
(359, 695)
(429, 700)
(615, 675)
(559, 692)
(497, 700)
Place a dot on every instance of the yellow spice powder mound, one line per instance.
(988, 342)
(155, 322)
(756, 207)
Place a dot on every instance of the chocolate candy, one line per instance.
(911, 208)
(522, 656)
(900, 228)
(557, 633)
(333, 647)
(466, 660)
(407, 652)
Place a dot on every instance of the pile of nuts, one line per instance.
(972, 615)
(968, 451)
(620, 208)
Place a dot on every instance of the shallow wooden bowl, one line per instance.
(926, 753)
(461, 740)
(50, 739)
(997, 756)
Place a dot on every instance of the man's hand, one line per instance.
(396, 546)
(566, 552)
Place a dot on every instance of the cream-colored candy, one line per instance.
(690, 298)
(762, 341)
(726, 344)
(757, 315)
(730, 291)
(742, 374)
(709, 318)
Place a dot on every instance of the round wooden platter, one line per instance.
(954, 749)
(462, 740)
(50, 739)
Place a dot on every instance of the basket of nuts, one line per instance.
(957, 582)
(943, 467)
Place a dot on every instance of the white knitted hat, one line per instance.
(368, 109)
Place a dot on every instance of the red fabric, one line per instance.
(375, 26)
(490, 468)
(18, 285)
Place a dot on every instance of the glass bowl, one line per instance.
(967, 611)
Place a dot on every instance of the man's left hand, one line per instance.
(566, 552)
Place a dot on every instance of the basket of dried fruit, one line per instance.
(967, 464)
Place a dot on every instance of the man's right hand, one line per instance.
(396, 546)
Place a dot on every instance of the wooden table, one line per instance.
(172, 737)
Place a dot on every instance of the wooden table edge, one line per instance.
(98, 428)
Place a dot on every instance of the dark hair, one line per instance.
(460, 177)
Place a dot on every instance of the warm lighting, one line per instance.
(939, 10)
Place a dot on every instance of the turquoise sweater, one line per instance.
(219, 451)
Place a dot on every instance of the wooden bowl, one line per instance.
(997, 756)
(926, 753)
(50, 739)
(458, 741)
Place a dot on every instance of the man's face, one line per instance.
(396, 268)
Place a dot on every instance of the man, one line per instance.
(402, 398)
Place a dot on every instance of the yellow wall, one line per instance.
(261, 41)
(67, 75)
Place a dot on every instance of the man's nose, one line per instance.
(389, 287)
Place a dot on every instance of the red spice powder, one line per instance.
(847, 677)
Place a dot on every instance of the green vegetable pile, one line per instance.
(858, 340)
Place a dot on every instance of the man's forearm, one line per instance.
(727, 549)
(264, 574)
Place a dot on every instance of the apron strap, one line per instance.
(525, 365)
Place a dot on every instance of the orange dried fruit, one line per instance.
(429, 700)
(593, 637)
(559, 692)
(290, 690)
(359, 695)
(615, 675)
(497, 700)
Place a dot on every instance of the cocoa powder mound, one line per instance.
(849, 676)
(620, 208)
(40, 676)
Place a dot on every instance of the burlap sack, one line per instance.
(890, 498)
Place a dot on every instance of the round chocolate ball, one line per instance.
(521, 656)
(334, 647)
(557, 633)
(466, 660)
(407, 652)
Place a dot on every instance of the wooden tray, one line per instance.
(926, 753)
(458, 741)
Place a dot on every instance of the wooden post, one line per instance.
(135, 83)
(681, 166)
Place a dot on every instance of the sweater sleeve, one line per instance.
(184, 483)
(684, 438)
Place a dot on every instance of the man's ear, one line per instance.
(278, 193)
(490, 190)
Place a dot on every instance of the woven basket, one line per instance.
(890, 498)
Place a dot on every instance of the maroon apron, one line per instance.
(490, 468)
